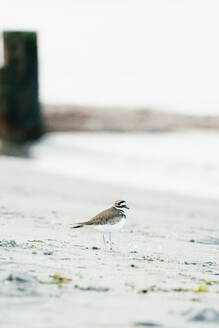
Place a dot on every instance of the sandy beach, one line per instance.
(163, 271)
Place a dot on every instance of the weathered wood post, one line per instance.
(20, 117)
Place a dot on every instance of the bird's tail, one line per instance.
(77, 226)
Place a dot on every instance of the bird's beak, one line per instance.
(127, 207)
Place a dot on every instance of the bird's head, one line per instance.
(121, 204)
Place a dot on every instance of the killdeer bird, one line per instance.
(110, 220)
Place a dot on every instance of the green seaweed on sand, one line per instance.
(57, 279)
(208, 283)
(201, 289)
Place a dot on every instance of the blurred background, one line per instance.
(121, 91)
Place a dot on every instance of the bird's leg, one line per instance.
(104, 241)
(111, 244)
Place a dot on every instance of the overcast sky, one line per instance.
(161, 54)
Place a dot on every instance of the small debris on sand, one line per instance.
(48, 253)
(8, 243)
(91, 288)
(95, 248)
(206, 315)
(146, 324)
(22, 278)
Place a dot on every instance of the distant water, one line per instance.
(140, 53)
(185, 163)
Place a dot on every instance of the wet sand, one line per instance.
(164, 269)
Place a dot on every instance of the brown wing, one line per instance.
(109, 216)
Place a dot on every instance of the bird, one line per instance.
(109, 220)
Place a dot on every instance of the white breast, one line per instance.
(111, 227)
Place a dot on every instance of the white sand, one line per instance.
(156, 240)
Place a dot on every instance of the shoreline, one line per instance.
(181, 163)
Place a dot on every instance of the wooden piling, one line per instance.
(20, 116)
